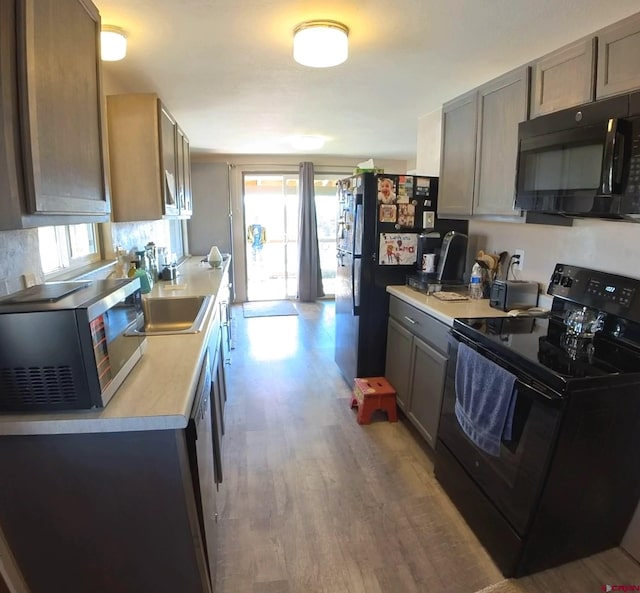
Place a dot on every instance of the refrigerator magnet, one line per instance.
(387, 190)
(398, 249)
(405, 188)
(388, 213)
(407, 215)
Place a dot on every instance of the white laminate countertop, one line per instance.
(159, 391)
(445, 311)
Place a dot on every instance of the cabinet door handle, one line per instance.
(411, 321)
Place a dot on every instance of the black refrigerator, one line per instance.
(380, 217)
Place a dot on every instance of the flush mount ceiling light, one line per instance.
(307, 142)
(320, 44)
(113, 43)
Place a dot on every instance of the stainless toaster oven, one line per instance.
(513, 294)
(63, 344)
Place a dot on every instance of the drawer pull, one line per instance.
(411, 321)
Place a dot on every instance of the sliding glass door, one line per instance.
(271, 219)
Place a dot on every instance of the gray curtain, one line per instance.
(309, 272)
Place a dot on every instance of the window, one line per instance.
(68, 247)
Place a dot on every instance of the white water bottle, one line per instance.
(475, 285)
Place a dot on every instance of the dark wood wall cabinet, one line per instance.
(53, 167)
(150, 160)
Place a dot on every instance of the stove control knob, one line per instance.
(566, 281)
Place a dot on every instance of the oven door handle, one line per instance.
(521, 377)
(539, 393)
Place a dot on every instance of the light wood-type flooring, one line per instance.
(312, 502)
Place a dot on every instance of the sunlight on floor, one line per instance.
(274, 338)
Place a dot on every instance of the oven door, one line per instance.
(512, 481)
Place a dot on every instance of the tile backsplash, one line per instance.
(19, 250)
(19, 254)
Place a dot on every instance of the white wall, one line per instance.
(429, 139)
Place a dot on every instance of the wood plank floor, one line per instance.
(312, 502)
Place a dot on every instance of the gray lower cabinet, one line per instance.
(105, 512)
(416, 365)
(427, 377)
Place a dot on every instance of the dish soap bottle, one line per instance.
(475, 285)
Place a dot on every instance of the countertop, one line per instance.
(159, 391)
(445, 311)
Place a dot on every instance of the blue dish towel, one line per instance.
(485, 400)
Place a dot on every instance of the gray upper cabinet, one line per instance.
(53, 144)
(458, 156)
(479, 148)
(502, 104)
(564, 78)
(619, 58)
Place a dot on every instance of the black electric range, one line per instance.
(538, 347)
(564, 484)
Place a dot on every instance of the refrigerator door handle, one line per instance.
(355, 286)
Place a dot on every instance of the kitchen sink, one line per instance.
(173, 315)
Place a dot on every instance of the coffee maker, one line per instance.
(441, 260)
(453, 259)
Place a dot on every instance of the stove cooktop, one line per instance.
(540, 348)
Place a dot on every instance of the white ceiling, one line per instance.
(224, 68)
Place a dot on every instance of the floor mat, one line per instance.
(268, 308)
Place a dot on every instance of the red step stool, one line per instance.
(374, 393)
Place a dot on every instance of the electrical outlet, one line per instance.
(519, 263)
(28, 279)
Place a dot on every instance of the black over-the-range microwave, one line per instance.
(583, 161)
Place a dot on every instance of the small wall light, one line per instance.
(320, 44)
(113, 43)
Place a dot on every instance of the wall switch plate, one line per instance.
(4, 286)
(519, 263)
(428, 220)
(28, 279)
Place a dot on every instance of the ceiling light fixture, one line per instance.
(320, 44)
(113, 43)
(307, 142)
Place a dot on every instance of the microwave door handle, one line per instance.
(610, 158)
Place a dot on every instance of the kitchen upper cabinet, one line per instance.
(52, 135)
(618, 64)
(479, 148)
(184, 174)
(502, 105)
(564, 78)
(416, 365)
(149, 163)
(458, 156)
